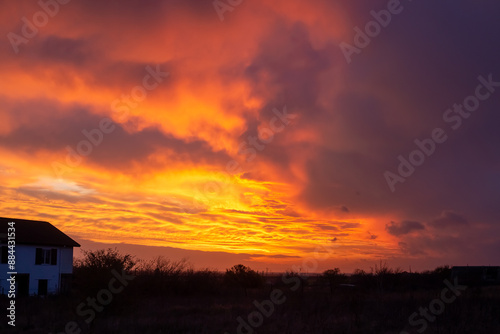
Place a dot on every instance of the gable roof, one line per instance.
(34, 232)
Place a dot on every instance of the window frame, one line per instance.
(46, 256)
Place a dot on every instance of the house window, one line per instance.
(46, 256)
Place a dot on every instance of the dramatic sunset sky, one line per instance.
(177, 167)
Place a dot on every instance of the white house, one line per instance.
(44, 257)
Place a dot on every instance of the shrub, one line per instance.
(94, 270)
(242, 276)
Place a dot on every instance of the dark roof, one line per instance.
(34, 232)
(472, 267)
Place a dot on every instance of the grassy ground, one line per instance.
(309, 309)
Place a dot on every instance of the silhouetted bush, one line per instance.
(244, 277)
(170, 297)
(333, 277)
(95, 269)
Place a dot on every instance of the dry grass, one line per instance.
(201, 303)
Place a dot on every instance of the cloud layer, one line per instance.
(197, 163)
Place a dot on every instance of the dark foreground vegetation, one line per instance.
(113, 293)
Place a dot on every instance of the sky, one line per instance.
(300, 135)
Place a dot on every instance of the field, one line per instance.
(185, 301)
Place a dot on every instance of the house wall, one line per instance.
(25, 264)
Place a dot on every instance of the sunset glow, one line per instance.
(162, 130)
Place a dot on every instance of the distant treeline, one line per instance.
(161, 276)
(116, 293)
